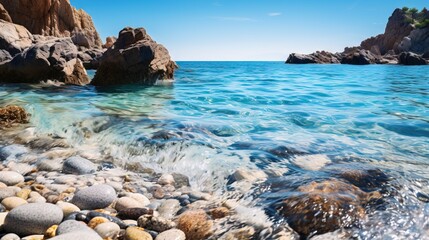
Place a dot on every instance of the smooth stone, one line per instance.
(21, 168)
(116, 220)
(311, 162)
(195, 224)
(36, 200)
(181, 180)
(13, 202)
(140, 198)
(131, 223)
(78, 235)
(8, 192)
(67, 208)
(136, 233)
(79, 166)
(11, 178)
(108, 230)
(127, 202)
(34, 237)
(134, 213)
(158, 224)
(249, 175)
(10, 236)
(169, 208)
(166, 179)
(12, 152)
(69, 226)
(172, 234)
(50, 165)
(32, 218)
(95, 197)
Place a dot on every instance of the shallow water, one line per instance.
(220, 116)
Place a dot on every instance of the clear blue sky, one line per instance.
(246, 29)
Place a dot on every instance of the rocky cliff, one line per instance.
(52, 18)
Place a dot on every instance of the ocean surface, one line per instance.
(218, 117)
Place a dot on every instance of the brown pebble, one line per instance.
(24, 193)
(51, 232)
(158, 193)
(38, 187)
(134, 213)
(219, 212)
(195, 224)
(96, 221)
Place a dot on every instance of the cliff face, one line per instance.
(52, 18)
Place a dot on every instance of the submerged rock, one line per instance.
(78, 165)
(409, 58)
(195, 224)
(95, 197)
(134, 58)
(11, 115)
(326, 206)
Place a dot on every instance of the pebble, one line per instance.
(50, 165)
(71, 226)
(108, 230)
(24, 193)
(12, 152)
(169, 208)
(116, 220)
(140, 198)
(166, 179)
(78, 235)
(136, 233)
(172, 234)
(43, 216)
(127, 202)
(311, 162)
(34, 237)
(21, 168)
(181, 180)
(10, 236)
(158, 192)
(67, 208)
(134, 213)
(11, 178)
(93, 223)
(158, 224)
(95, 197)
(78, 165)
(195, 224)
(51, 232)
(249, 175)
(8, 192)
(13, 202)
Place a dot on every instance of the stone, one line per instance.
(180, 180)
(32, 218)
(67, 208)
(127, 202)
(108, 230)
(51, 232)
(110, 41)
(50, 165)
(95, 197)
(12, 115)
(134, 213)
(4, 56)
(136, 233)
(13, 202)
(54, 18)
(172, 234)
(21, 168)
(195, 224)
(409, 58)
(166, 179)
(249, 175)
(219, 212)
(169, 208)
(142, 199)
(134, 58)
(94, 222)
(79, 166)
(78, 235)
(69, 226)
(325, 207)
(311, 162)
(4, 15)
(10, 236)
(360, 57)
(11, 178)
(24, 193)
(158, 224)
(34, 237)
(8, 192)
(317, 57)
(14, 38)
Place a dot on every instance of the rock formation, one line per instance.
(14, 38)
(52, 18)
(409, 58)
(407, 31)
(134, 58)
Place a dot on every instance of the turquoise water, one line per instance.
(220, 116)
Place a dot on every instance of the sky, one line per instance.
(234, 30)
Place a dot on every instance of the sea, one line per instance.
(290, 121)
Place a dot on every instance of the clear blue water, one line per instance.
(220, 116)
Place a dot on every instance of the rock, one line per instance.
(94, 222)
(134, 213)
(219, 212)
(311, 162)
(169, 208)
(11, 178)
(110, 41)
(4, 56)
(50, 165)
(134, 58)
(52, 59)
(13, 202)
(180, 180)
(127, 202)
(8, 192)
(54, 18)
(317, 57)
(359, 57)
(108, 230)
(14, 38)
(172, 234)
(51, 232)
(249, 175)
(94, 214)
(90, 58)
(10, 236)
(324, 207)
(195, 224)
(11, 115)
(95, 197)
(136, 233)
(79, 166)
(78, 235)
(71, 226)
(67, 208)
(166, 179)
(43, 216)
(242, 233)
(4, 15)
(143, 200)
(158, 224)
(409, 58)
(21, 168)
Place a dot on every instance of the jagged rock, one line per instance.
(360, 57)
(14, 38)
(325, 207)
(90, 58)
(54, 59)
(409, 58)
(4, 56)
(4, 15)
(109, 42)
(417, 41)
(317, 57)
(134, 58)
(54, 18)
(397, 28)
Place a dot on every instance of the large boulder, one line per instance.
(90, 57)
(53, 18)
(134, 58)
(417, 41)
(360, 57)
(317, 57)
(4, 15)
(14, 38)
(409, 58)
(54, 59)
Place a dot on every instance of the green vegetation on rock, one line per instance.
(418, 19)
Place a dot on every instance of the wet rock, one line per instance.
(71, 226)
(136, 233)
(311, 162)
(195, 224)
(324, 207)
(409, 58)
(180, 180)
(21, 168)
(13, 202)
(95, 197)
(127, 202)
(108, 230)
(240, 234)
(172, 234)
(50, 165)
(158, 224)
(249, 175)
(10, 236)
(12, 115)
(11, 178)
(219, 212)
(79, 166)
(134, 58)
(366, 179)
(43, 216)
(169, 208)
(134, 213)
(166, 179)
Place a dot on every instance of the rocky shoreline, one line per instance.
(405, 42)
